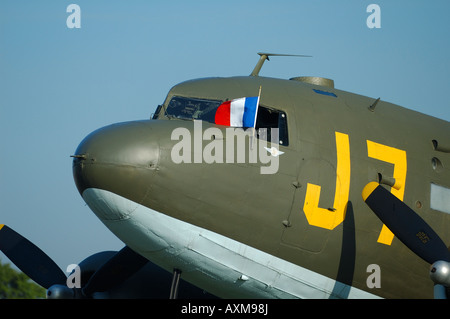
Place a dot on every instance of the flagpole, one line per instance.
(256, 115)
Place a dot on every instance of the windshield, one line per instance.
(205, 110)
(192, 109)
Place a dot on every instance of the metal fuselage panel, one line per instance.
(335, 142)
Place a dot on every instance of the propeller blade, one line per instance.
(407, 225)
(30, 259)
(115, 271)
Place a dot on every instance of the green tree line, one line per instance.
(16, 285)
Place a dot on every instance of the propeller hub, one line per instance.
(440, 273)
(60, 292)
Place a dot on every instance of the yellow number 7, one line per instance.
(398, 158)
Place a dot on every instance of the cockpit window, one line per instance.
(270, 118)
(192, 109)
(205, 110)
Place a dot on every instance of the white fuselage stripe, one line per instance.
(218, 264)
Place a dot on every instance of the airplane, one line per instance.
(329, 195)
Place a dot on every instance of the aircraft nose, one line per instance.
(119, 159)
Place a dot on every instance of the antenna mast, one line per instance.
(265, 56)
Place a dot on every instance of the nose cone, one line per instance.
(121, 159)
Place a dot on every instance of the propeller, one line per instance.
(30, 259)
(115, 271)
(410, 229)
(43, 270)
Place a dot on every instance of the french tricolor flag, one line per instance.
(238, 113)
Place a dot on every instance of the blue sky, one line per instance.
(59, 84)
